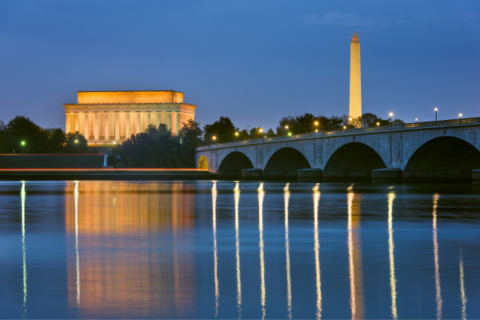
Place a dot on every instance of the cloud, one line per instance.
(340, 19)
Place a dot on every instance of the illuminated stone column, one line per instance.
(355, 79)
(128, 129)
(149, 119)
(68, 122)
(76, 122)
(106, 121)
(91, 129)
(159, 119)
(86, 132)
(123, 125)
(139, 122)
(174, 122)
(96, 125)
(117, 125)
(81, 123)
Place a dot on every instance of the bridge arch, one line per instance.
(444, 158)
(285, 163)
(232, 165)
(354, 160)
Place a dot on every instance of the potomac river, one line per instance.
(230, 249)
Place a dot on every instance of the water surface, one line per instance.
(226, 249)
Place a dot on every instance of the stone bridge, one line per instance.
(425, 151)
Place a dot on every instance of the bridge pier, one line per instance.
(476, 176)
(388, 174)
(252, 174)
(313, 174)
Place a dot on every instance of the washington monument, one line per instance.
(355, 79)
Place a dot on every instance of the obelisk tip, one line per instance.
(355, 37)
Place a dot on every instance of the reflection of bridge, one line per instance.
(441, 150)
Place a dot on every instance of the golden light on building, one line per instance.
(355, 78)
(105, 116)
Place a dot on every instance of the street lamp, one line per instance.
(289, 134)
(214, 138)
(436, 111)
(378, 123)
(22, 143)
(286, 127)
(350, 119)
(460, 115)
(316, 130)
(260, 130)
(344, 127)
(316, 123)
(114, 142)
(236, 133)
(391, 116)
(76, 141)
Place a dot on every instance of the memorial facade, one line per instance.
(109, 117)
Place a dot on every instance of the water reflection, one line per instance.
(128, 239)
(438, 289)
(236, 192)
(24, 250)
(316, 200)
(354, 255)
(76, 246)
(286, 194)
(462, 290)
(261, 195)
(215, 257)
(393, 287)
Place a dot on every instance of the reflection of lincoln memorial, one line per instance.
(113, 116)
(120, 265)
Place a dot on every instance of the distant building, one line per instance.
(105, 117)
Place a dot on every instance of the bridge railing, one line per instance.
(394, 127)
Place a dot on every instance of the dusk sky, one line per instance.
(253, 61)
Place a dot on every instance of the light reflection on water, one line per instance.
(143, 250)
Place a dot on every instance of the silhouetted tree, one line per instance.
(223, 130)
(191, 138)
(24, 136)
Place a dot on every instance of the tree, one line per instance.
(24, 136)
(190, 135)
(75, 143)
(56, 139)
(223, 130)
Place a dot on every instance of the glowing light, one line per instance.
(391, 114)
(438, 289)
(215, 258)
(316, 130)
(24, 251)
(316, 248)
(393, 287)
(344, 127)
(289, 134)
(350, 118)
(378, 123)
(436, 109)
(462, 290)
(236, 133)
(286, 194)
(214, 138)
(261, 195)
(260, 130)
(22, 143)
(416, 119)
(460, 115)
(237, 245)
(76, 141)
(286, 127)
(316, 123)
(114, 142)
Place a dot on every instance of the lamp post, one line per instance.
(378, 124)
(460, 116)
(416, 121)
(214, 138)
(436, 111)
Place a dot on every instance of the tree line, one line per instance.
(22, 135)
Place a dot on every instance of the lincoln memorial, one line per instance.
(107, 117)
